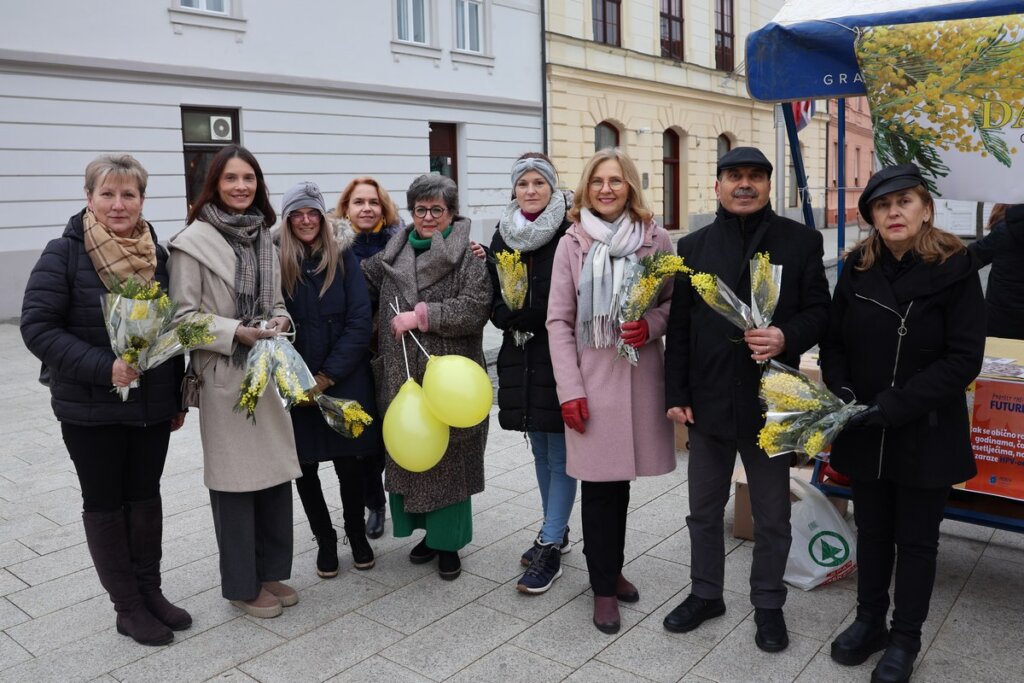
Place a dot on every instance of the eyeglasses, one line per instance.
(311, 217)
(435, 211)
(614, 183)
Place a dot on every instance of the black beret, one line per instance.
(891, 179)
(743, 156)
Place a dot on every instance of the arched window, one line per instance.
(670, 166)
(605, 135)
(724, 145)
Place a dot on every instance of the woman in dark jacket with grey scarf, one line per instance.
(533, 223)
(906, 337)
(118, 447)
(326, 296)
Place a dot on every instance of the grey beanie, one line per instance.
(304, 195)
(546, 170)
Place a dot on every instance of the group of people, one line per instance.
(904, 334)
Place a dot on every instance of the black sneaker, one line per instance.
(449, 566)
(362, 553)
(543, 570)
(692, 612)
(563, 547)
(860, 640)
(421, 554)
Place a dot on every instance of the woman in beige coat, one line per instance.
(225, 264)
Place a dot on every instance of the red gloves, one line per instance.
(635, 334)
(575, 414)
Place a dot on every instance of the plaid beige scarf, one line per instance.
(117, 258)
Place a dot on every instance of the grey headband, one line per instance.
(546, 170)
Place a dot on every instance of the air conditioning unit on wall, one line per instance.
(220, 128)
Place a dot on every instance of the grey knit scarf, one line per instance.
(527, 236)
(253, 246)
(604, 267)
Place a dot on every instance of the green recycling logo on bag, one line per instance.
(828, 549)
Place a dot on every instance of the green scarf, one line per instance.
(420, 245)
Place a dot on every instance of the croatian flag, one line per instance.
(802, 113)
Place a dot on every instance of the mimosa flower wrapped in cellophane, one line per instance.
(765, 285)
(515, 283)
(800, 414)
(640, 289)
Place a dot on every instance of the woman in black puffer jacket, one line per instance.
(118, 447)
(327, 298)
(1003, 247)
(533, 223)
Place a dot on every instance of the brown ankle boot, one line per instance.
(107, 538)
(606, 613)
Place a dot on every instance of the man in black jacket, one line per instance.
(712, 370)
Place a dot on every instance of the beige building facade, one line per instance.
(664, 80)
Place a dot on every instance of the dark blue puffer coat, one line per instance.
(333, 336)
(62, 325)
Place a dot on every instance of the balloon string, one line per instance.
(405, 353)
(394, 308)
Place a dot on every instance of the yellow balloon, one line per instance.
(415, 439)
(458, 390)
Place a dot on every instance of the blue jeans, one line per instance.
(557, 489)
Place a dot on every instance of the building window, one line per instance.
(724, 145)
(412, 21)
(468, 17)
(835, 164)
(856, 168)
(444, 152)
(607, 21)
(672, 29)
(605, 136)
(723, 35)
(670, 164)
(218, 6)
(204, 131)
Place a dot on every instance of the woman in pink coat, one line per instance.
(614, 411)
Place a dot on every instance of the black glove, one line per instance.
(872, 417)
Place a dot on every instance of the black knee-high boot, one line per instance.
(145, 541)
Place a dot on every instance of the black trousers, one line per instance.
(117, 464)
(350, 473)
(603, 507)
(710, 467)
(254, 537)
(897, 526)
(373, 484)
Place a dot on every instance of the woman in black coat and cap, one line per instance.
(327, 298)
(906, 337)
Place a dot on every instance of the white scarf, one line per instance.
(614, 246)
(526, 236)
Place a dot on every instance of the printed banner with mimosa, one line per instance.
(949, 97)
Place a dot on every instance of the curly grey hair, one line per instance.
(433, 186)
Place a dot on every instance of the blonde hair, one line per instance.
(294, 252)
(123, 166)
(388, 208)
(636, 203)
(932, 244)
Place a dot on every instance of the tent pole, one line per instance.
(840, 182)
(798, 165)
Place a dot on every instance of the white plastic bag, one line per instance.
(824, 547)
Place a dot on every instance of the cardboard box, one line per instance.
(743, 524)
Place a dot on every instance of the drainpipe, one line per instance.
(543, 76)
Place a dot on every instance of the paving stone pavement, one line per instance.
(400, 622)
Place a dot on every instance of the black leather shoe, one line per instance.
(421, 554)
(860, 640)
(895, 666)
(449, 566)
(375, 522)
(692, 612)
(771, 633)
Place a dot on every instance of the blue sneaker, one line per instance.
(564, 547)
(543, 570)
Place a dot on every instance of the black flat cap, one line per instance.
(744, 156)
(891, 179)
